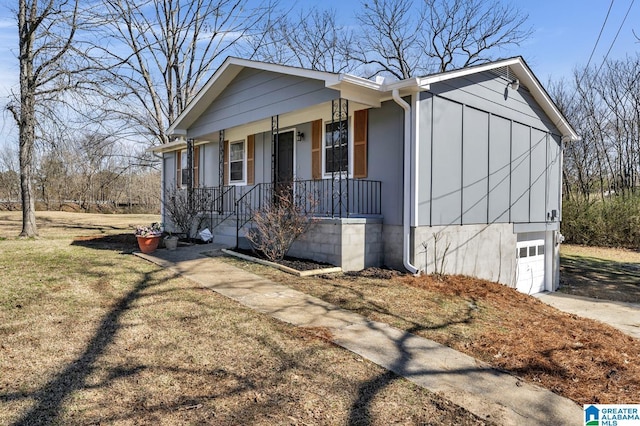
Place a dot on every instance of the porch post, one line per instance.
(275, 128)
(221, 154)
(339, 114)
(190, 172)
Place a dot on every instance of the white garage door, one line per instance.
(530, 269)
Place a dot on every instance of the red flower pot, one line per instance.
(148, 244)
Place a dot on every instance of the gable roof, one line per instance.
(368, 92)
(523, 73)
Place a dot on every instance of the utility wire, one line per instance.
(616, 37)
(606, 18)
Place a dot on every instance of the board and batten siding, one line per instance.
(256, 95)
(481, 167)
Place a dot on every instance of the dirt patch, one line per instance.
(578, 358)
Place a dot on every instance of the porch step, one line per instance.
(225, 234)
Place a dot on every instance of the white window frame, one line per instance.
(183, 160)
(243, 181)
(349, 172)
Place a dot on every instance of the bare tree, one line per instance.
(45, 35)
(310, 39)
(160, 52)
(388, 39)
(398, 38)
(461, 33)
(404, 39)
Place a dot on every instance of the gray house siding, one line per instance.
(209, 164)
(255, 95)
(385, 157)
(479, 167)
(169, 169)
(303, 152)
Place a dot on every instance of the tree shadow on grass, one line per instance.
(600, 279)
(125, 243)
(49, 399)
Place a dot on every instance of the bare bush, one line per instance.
(185, 209)
(279, 223)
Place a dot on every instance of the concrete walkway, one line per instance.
(467, 382)
(623, 316)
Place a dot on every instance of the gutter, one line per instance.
(162, 183)
(406, 230)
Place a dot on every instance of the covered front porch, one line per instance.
(336, 205)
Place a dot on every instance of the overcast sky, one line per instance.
(565, 32)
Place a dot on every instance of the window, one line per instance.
(336, 147)
(184, 168)
(236, 161)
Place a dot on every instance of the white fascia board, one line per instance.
(356, 81)
(407, 86)
(542, 97)
(448, 75)
(171, 146)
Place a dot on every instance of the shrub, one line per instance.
(186, 213)
(279, 223)
(614, 222)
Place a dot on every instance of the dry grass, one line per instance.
(89, 335)
(575, 357)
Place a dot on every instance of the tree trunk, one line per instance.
(27, 122)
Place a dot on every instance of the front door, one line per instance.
(284, 164)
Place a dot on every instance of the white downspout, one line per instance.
(162, 184)
(406, 230)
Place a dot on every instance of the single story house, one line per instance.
(457, 172)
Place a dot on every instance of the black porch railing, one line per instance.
(325, 198)
(217, 202)
(218, 199)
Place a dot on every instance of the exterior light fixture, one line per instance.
(515, 84)
(300, 136)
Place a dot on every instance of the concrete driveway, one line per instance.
(623, 316)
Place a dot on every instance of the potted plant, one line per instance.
(171, 241)
(148, 237)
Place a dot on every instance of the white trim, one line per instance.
(526, 77)
(242, 182)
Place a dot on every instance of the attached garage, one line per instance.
(537, 258)
(530, 266)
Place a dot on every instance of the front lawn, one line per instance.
(90, 334)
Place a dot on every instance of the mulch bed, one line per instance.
(581, 359)
(290, 262)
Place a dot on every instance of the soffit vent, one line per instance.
(507, 74)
